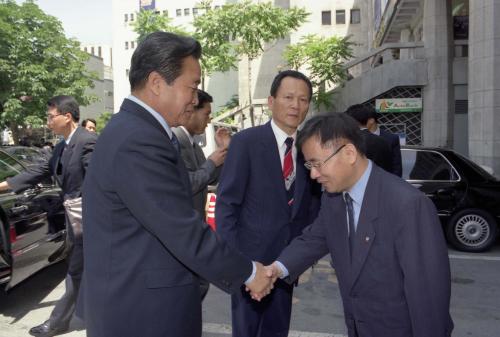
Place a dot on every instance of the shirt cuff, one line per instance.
(252, 276)
(284, 271)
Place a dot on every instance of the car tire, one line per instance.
(472, 230)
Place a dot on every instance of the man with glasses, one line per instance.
(68, 165)
(383, 235)
(265, 198)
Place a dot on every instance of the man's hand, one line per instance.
(4, 186)
(222, 138)
(274, 271)
(218, 157)
(262, 284)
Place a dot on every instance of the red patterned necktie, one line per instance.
(288, 175)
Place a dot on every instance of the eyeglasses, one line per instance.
(310, 165)
(52, 117)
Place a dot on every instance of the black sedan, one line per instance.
(32, 229)
(466, 196)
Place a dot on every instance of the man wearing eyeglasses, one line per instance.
(68, 165)
(265, 199)
(383, 235)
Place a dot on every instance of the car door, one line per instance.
(33, 239)
(434, 175)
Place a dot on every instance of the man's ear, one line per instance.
(154, 82)
(270, 102)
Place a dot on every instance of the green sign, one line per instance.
(389, 105)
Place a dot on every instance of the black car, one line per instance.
(27, 155)
(32, 229)
(466, 196)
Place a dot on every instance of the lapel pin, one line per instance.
(367, 238)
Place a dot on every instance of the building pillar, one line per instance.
(484, 83)
(405, 54)
(437, 117)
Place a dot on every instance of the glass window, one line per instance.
(126, 17)
(426, 165)
(355, 16)
(131, 17)
(178, 12)
(186, 11)
(195, 11)
(326, 17)
(8, 167)
(126, 45)
(165, 13)
(99, 51)
(340, 16)
(132, 45)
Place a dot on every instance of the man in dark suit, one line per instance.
(68, 165)
(144, 242)
(202, 171)
(367, 116)
(375, 148)
(383, 235)
(265, 199)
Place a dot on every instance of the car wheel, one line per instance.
(472, 230)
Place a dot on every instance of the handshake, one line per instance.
(263, 283)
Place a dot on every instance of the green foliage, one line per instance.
(324, 59)
(102, 120)
(37, 62)
(149, 21)
(233, 102)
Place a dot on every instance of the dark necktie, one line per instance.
(175, 143)
(350, 216)
(288, 170)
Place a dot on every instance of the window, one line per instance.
(178, 12)
(427, 165)
(195, 11)
(326, 17)
(92, 51)
(132, 44)
(99, 51)
(126, 45)
(8, 167)
(127, 71)
(126, 17)
(186, 11)
(355, 16)
(340, 16)
(131, 17)
(165, 13)
(85, 49)
(217, 7)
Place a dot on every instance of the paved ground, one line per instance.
(317, 312)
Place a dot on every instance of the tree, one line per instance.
(37, 62)
(149, 21)
(247, 28)
(323, 59)
(102, 120)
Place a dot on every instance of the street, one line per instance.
(317, 311)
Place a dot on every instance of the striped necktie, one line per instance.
(288, 174)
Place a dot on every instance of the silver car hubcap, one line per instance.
(472, 230)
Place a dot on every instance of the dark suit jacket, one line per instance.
(252, 212)
(377, 149)
(143, 239)
(398, 284)
(393, 140)
(68, 169)
(202, 172)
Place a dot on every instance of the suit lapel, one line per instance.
(339, 238)
(272, 158)
(301, 178)
(365, 232)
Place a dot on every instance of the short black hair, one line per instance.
(289, 73)
(65, 104)
(164, 53)
(330, 128)
(203, 97)
(86, 120)
(362, 113)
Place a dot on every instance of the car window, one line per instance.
(427, 165)
(8, 166)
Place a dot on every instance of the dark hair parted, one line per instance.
(203, 97)
(362, 113)
(85, 121)
(65, 104)
(332, 128)
(289, 73)
(164, 53)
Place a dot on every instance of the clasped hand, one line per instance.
(263, 282)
